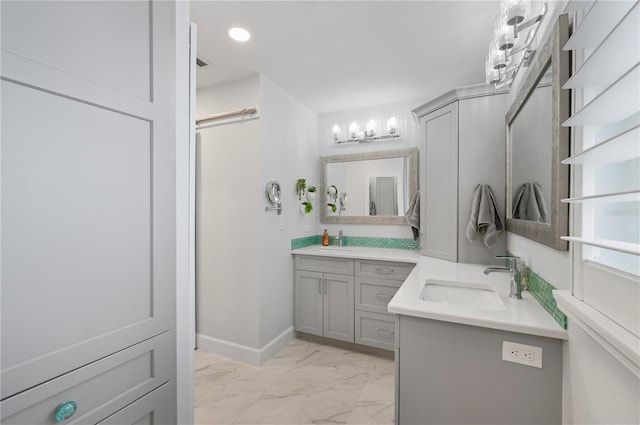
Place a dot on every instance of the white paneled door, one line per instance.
(88, 183)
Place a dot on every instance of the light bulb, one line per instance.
(354, 129)
(392, 125)
(335, 130)
(514, 12)
(371, 128)
(503, 34)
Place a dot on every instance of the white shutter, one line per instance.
(605, 235)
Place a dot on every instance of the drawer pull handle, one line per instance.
(381, 331)
(381, 295)
(65, 410)
(384, 270)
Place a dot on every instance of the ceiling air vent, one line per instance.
(201, 63)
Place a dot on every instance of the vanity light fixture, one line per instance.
(335, 130)
(239, 34)
(369, 135)
(507, 51)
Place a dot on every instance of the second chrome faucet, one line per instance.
(515, 288)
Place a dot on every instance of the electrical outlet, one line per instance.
(522, 354)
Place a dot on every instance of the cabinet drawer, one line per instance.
(152, 409)
(383, 269)
(374, 294)
(324, 264)
(375, 330)
(99, 389)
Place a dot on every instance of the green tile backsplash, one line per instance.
(306, 241)
(541, 291)
(394, 243)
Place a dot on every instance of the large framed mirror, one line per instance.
(368, 188)
(537, 143)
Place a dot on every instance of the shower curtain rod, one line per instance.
(246, 111)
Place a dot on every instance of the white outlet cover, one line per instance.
(528, 355)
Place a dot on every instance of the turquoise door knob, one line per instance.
(65, 410)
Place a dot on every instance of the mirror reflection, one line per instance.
(537, 143)
(531, 148)
(373, 187)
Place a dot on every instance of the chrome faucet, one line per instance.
(515, 289)
(340, 239)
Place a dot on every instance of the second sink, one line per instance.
(462, 293)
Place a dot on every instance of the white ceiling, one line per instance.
(336, 55)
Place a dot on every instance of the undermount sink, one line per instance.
(333, 249)
(460, 293)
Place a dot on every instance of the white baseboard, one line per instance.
(243, 353)
(276, 344)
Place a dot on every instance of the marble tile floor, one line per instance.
(306, 383)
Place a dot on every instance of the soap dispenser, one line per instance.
(325, 238)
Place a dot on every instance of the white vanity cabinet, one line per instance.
(324, 296)
(463, 146)
(376, 283)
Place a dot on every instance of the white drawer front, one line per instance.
(99, 389)
(383, 269)
(324, 264)
(375, 330)
(374, 294)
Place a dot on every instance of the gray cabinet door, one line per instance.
(338, 307)
(454, 374)
(481, 142)
(309, 293)
(88, 183)
(439, 237)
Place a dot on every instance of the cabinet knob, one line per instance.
(65, 410)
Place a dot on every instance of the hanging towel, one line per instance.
(485, 216)
(413, 215)
(529, 203)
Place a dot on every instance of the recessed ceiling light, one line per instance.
(239, 34)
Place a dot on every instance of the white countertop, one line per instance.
(523, 316)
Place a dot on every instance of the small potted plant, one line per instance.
(333, 192)
(306, 207)
(311, 193)
(333, 207)
(301, 185)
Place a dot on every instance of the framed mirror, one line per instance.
(368, 188)
(537, 142)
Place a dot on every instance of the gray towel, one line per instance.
(413, 215)
(485, 216)
(529, 203)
